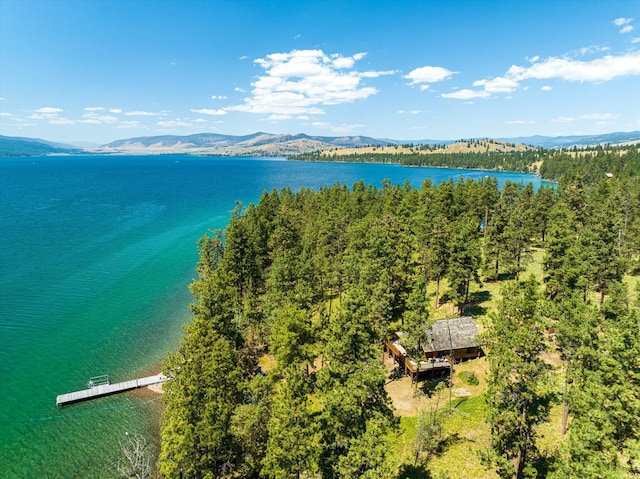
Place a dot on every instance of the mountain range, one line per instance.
(267, 144)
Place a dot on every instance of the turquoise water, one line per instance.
(96, 254)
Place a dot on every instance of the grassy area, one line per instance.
(462, 146)
(465, 434)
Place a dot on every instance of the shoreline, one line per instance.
(536, 174)
(154, 390)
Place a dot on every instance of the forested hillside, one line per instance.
(305, 286)
(556, 165)
(15, 146)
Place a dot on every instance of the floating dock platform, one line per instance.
(108, 389)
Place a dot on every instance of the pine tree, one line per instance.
(516, 372)
(292, 447)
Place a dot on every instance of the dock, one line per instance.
(107, 389)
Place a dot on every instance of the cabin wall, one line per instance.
(458, 354)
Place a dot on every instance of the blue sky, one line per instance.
(101, 70)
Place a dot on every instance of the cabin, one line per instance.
(450, 341)
(455, 338)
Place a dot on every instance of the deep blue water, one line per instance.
(96, 254)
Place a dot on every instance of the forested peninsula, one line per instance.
(487, 154)
(281, 373)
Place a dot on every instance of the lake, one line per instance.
(96, 255)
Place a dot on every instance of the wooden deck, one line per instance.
(412, 367)
(108, 389)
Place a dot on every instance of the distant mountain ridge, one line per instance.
(618, 138)
(285, 144)
(268, 144)
(260, 143)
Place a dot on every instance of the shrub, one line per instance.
(469, 377)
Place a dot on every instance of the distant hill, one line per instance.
(256, 144)
(18, 146)
(268, 144)
(618, 138)
(484, 145)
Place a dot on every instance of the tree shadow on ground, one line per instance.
(449, 441)
(395, 374)
(420, 471)
(428, 386)
(476, 298)
(413, 472)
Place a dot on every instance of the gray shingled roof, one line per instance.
(454, 333)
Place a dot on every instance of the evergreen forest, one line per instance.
(592, 163)
(281, 372)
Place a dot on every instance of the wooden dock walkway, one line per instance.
(108, 389)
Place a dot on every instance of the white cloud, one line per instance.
(347, 62)
(410, 112)
(51, 114)
(218, 97)
(49, 110)
(635, 40)
(586, 116)
(141, 113)
(497, 85)
(115, 110)
(172, 123)
(199, 120)
(243, 57)
(598, 116)
(593, 49)
(519, 122)
(93, 108)
(428, 74)
(622, 21)
(597, 70)
(466, 94)
(130, 124)
(562, 119)
(301, 81)
(376, 74)
(240, 90)
(208, 111)
(4, 113)
(2, 98)
(93, 118)
(280, 117)
(61, 121)
(601, 69)
(534, 59)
